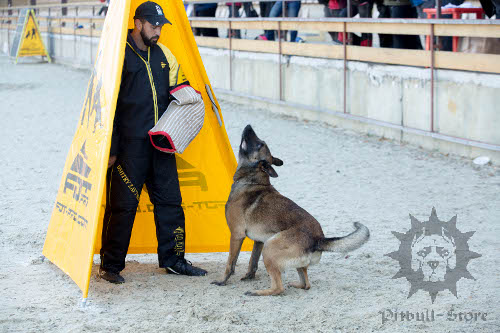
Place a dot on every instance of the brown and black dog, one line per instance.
(287, 235)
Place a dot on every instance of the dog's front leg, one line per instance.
(234, 252)
(254, 261)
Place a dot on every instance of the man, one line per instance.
(150, 71)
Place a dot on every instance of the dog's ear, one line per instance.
(452, 261)
(277, 161)
(243, 145)
(267, 168)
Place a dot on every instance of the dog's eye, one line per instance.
(443, 252)
(424, 252)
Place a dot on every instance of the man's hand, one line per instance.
(112, 160)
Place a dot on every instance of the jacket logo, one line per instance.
(163, 64)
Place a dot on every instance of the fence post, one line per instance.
(74, 38)
(49, 32)
(432, 77)
(345, 66)
(348, 16)
(8, 36)
(279, 62)
(91, 40)
(230, 58)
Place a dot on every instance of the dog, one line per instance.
(285, 234)
(434, 254)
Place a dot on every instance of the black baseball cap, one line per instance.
(152, 12)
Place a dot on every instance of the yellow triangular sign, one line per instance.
(205, 168)
(29, 41)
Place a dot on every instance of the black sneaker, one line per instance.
(184, 267)
(110, 276)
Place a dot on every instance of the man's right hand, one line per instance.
(112, 160)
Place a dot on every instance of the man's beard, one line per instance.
(149, 41)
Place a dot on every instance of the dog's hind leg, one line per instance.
(234, 252)
(254, 261)
(273, 253)
(304, 280)
(276, 282)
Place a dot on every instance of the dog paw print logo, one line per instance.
(433, 255)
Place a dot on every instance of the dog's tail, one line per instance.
(347, 243)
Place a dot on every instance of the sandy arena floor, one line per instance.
(339, 176)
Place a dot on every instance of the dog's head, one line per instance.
(434, 254)
(255, 153)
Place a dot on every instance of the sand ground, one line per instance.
(339, 176)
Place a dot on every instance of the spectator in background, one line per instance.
(206, 10)
(104, 8)
(497, 8)
(491, 8)
(383, 12)
(338, 8)
(292, 9)
(401, 9)
(265, 10)
(446, 43)
(333, 9)
(234, 11)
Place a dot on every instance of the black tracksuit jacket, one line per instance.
(147, 78)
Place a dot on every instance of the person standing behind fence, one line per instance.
(292, 9)
(206, 10)
(338, 8)
(333, 9)
(265, 10)
(104, 9)
(234, 11)
(491, 8)
(401, 9)
(446, 42)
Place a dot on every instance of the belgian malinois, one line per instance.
(286, 235)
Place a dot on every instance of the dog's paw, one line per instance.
(299, 285)
(250, 293)
(248, 276)
(218, 283)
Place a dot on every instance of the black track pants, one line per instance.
(138, 163)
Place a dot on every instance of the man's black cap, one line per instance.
(152, 12)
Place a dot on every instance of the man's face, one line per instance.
(150, 33)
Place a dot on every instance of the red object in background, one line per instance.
(456, 14)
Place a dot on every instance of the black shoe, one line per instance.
(110, 276)
(184, 267)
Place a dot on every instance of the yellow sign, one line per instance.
(30, 41)
(205, 168)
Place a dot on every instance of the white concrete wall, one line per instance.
(466, 104)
